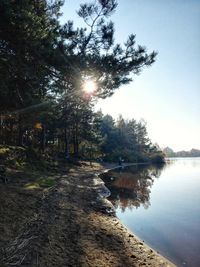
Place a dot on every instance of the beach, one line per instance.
(69, 224)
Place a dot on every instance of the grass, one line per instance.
(47, 182)
(4, 150)
(29, 169)
(40, 184)
(31, 186)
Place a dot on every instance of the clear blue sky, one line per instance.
(167, 95)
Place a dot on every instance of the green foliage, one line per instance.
(129, 140)
(43, 65)
(95, 53)
(90, 151)
(40, 183)
(28, 31)
(12, 155)
(157, 157)
(46, 182)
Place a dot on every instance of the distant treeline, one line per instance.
(192, 153)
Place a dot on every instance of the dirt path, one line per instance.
(70, 225)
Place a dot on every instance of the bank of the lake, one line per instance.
(66, 224)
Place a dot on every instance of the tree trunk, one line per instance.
(43, 138)
(75, 141)
(67, 155)
(11, 133)
(20, 132)
(1, 129)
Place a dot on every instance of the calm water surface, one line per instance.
(161, 205)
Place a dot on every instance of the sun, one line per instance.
(89, 87)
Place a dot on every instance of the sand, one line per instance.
(68, 224)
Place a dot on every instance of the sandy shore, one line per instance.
(70, 224)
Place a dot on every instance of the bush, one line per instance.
(157, 158)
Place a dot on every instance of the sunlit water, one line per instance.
(161, 206)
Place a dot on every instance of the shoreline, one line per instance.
(68, 224)
(161, 258)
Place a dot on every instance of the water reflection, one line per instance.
(131, 187)
(171, 223)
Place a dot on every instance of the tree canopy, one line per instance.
(43, 62)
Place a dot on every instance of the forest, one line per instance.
(170, 153)
(44, 68)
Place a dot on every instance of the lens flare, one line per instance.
(89, 87)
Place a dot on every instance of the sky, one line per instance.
(166, 95)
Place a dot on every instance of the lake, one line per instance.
(161, 205)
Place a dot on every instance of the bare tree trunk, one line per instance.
(75, 141)
(20, 132)
(67, 154)
(43, 138)
(11, 133)
(1, 129)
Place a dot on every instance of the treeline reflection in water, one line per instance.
(131, 186)
(161, 205)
